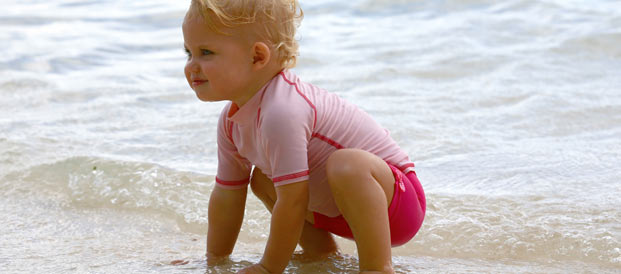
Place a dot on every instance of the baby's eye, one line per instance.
(206, 52)
(187, 53)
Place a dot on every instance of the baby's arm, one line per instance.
(286, 225)
(225, 216)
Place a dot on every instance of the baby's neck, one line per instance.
(262, 77)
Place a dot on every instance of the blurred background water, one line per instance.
(510, 109)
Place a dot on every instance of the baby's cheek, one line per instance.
(186, 72)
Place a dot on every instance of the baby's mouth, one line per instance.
(196, 83)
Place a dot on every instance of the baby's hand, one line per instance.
(254, 269)
(213, 260)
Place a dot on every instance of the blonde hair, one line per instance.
(277, 21)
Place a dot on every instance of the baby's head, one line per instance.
(235, 46)
(273, 22)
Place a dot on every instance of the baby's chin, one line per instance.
(205, 98)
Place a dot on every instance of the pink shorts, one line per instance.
(405, 213)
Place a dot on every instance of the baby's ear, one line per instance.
(261, 54)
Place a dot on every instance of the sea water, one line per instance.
(511, 111)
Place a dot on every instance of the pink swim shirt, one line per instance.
(288, 129)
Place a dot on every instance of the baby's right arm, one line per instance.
(225, 216)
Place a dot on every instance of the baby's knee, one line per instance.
(255, 181)
(344, 165)
(260, 184)
(346, 162)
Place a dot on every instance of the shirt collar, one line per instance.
(248, 112)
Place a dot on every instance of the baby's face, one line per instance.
(219, 66)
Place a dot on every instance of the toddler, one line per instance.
(320, 165)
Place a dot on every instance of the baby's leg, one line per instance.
(363, 185)
(315, 242)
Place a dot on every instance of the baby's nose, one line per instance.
(192, 66)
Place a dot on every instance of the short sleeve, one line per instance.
(233, 169)
(285, 133)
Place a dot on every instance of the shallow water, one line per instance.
(511, 112)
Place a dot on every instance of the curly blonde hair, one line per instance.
(278, 21)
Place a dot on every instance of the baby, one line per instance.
(321, 165)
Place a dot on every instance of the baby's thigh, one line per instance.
(263, 188)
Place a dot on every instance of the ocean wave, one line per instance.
(593, 45)
(521, 227)
(525, 228)
(94, 182)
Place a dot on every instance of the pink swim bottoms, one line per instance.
(405, 213)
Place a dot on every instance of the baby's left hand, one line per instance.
(254, 269)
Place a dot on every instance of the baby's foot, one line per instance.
(305, 257)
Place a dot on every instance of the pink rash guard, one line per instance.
(288, 129)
